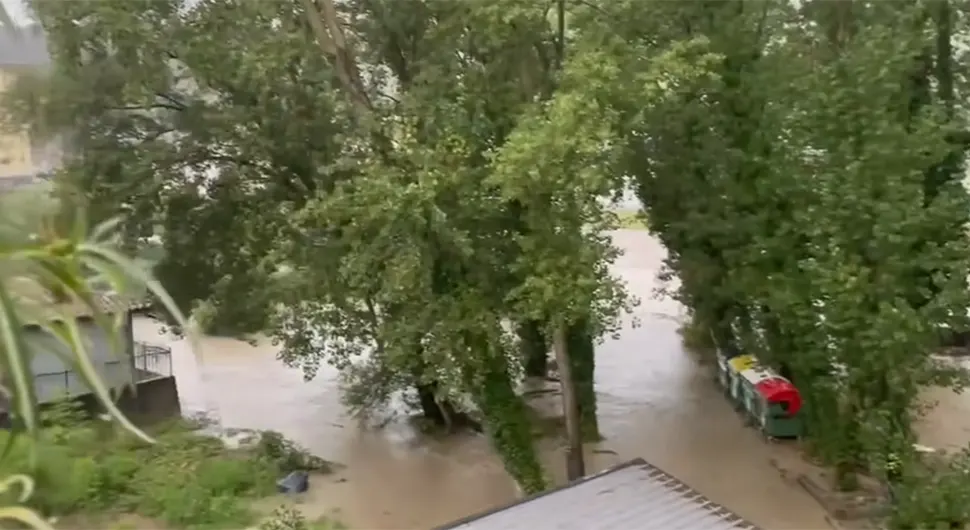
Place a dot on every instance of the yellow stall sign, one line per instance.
(743, 362)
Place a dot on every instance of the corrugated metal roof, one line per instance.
(39, 304)
(634, 495)
(23, 46)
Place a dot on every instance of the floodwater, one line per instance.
(655, 402)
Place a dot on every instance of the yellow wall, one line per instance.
(15, 159)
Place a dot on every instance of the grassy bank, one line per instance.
(92, 471)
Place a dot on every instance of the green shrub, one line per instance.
(236, 476)
(934, 494)
(184, 480)
(697, 338)
(192, 505)
(64, 413)
(286, 518)
(287, 455)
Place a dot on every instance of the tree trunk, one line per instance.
(327, 31)
(535, 354)
(429, 405)
(582, 356)
(847, 462)
(949, 169)
(575, 465)
(507, 422)
(433, 408)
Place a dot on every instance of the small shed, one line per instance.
(634, 495)
(53, 377)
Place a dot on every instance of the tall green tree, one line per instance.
(791, 191)
(334, 162)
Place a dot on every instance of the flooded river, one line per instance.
(655, 402)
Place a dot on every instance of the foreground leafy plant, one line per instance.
(65, 266)
(45, 270)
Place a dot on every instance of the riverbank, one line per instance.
(92, 474)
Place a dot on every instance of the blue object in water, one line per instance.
(295, 482)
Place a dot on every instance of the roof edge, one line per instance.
(501, 508)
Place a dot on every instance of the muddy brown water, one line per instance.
(655, 402)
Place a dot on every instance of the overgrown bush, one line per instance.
(368, 388)
(287, 455)
(185, 480)
(286, 518)
(934, 495)
(697, 337)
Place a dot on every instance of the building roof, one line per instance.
(37, 304)
(634, 495)
(25, 46)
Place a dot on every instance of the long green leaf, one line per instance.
(112, 263)
(64, 273)
(15, 363)
(60, 265)
(24, 516)
(26, 486)
(10, 443)
(105, 230)
(69, 333)
(79, 228)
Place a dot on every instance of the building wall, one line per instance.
(54, 378)
(46, 155)
(16, 151)
(152, 401)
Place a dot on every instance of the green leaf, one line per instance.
(118, 270)
(69, 333)
(24, 516)
(26, 486)
(15, 363)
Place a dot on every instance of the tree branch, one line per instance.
(173, 101)
(329, 35)
(147, 107)
(156, 135)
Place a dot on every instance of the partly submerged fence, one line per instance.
(149, 361)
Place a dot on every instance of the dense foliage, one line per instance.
(53, 265)
(417, 190)
(833, 242)
(356, 192)
(59, 462)
(88, 468)
(811, 198)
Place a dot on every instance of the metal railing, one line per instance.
(55, 385)
(149, 361)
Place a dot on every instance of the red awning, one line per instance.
(781, 391)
